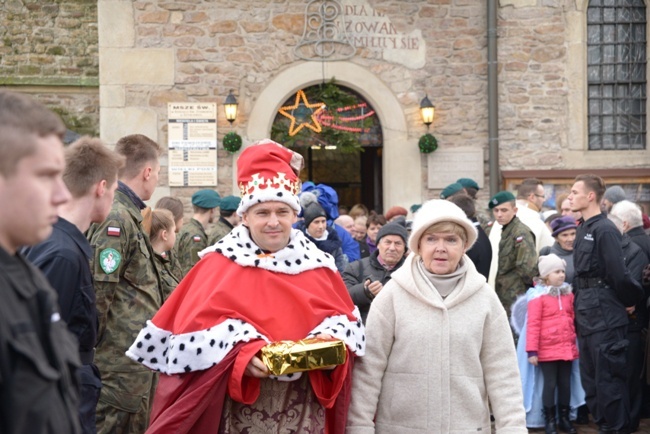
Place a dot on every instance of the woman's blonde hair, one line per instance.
(161, 219)
(447, 227)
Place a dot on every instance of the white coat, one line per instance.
(433, 364)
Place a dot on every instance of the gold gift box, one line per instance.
(286, 357)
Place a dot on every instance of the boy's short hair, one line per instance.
(22, 121)
(138, 150)
(87, 162)
(593, 183)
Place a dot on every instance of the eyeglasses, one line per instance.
(540, 195)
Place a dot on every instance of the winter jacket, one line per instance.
(551, 331)
(433, 364)
(331, 245)
(355, 275)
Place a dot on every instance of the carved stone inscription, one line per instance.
(367, 28)
(447, 165)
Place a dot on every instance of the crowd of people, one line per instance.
(122, 318)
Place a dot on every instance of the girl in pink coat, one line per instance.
(551, 339)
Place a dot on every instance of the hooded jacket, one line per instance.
(551, 331)
(432, 364)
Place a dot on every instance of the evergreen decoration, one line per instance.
(337, 127)
(232, 142)
(428, 143)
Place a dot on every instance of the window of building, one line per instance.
(616, 62)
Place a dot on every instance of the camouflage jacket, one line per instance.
(220, 230)
(167, 278)
(127, 284)
(190, 241)
(517, 262)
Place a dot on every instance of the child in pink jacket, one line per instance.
(551, 339)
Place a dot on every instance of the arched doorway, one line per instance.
(400, 157)
(341, 143)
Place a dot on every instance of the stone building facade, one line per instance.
(50, 50)
(152, 52)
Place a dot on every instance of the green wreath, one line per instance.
(232, 142)
(428, 143)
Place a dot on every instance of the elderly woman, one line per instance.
(439, 346)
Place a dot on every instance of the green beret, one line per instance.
(230, 203)
(501, 197)
(468, 183)
(450, 190)
(206, 198)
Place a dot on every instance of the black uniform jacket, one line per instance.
(38, 355)
(604, 287)
(64, 258)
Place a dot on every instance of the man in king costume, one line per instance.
(262, 283)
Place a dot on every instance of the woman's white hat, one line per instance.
(436, 211)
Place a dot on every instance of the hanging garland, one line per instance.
(428, 143)
(232, 142)
(337, 118)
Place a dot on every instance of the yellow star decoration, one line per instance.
(288, 112)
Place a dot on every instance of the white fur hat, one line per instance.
(550, 263)
(436, 211)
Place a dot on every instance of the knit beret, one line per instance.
(392, 228)
(501, 197)
(450, 190)
(206, 198)
(230, 203)
(550, 263)
(468, 183)
(562, 224)
(436, 211)
(395, 211)
(614, 194)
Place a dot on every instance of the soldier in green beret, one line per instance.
(128, 290)
(228, 219)
(451, 189)
(193, 237)
(517, 263)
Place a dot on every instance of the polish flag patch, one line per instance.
(113, 231)
(519, 239)
(197, 239)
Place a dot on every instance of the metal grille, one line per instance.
(616, 61)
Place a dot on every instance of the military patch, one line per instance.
(197, 239)
(109, 260)
(519, 239)
(113, 231)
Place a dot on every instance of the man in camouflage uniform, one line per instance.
(193, 236)
(227, 221)
(128, 290)
(517, 254)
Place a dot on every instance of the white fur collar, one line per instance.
(543, 289)
(299, 255)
